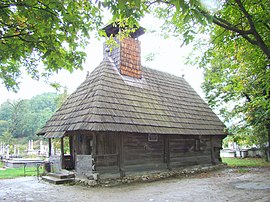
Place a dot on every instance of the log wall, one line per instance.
(141, 154)
(189, 150)
(124, 153)
(106, 154)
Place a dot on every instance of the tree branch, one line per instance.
(28, 6)
(245, 34)
(260, 41)
(12, 36)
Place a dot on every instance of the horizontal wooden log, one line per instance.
(104, 155)
(145, 167)
(106, 160)
(107, 169)
(190, 154)
(189, 161)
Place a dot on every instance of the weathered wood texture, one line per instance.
(216, 147)
(50, 146)
(169, 151)
(138, 150)
(83, 143)
(189, 150)
(106, 152)
(128, 152)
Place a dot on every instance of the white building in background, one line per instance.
(235, 151)
(2, 149)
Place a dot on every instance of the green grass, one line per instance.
(246, 162)
(8, 173)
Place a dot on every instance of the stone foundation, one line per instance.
(150, 176)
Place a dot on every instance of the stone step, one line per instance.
(61, 175)
(55, 180)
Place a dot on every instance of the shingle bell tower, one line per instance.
(127, 55)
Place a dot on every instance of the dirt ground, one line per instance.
(223, 185)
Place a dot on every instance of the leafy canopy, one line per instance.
(48, 31)
(236, 67)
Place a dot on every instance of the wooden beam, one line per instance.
(50, 147)
(164, 149)
(106, 155)
(71, 150)
(94, 146)
(62, 152)
(120, 155)
(167, 151)
(75, 148)
(212, 150)
(94, 152)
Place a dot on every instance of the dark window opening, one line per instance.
(152, 138)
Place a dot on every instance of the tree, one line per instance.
(24, 118)
(52, 32)
(237, 54)
(236, 67)
(7, 138)
(3, 126)
(13, 111)
(61, 98)
(242, 19)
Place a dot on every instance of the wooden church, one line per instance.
(126, 118)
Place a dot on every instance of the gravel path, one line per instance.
(224, 185)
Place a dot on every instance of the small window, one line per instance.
(152, 138)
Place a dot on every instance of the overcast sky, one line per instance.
(169, 57)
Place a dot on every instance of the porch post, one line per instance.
(94, 152)
(120, 155)
(50, 147)
(71, 150)
(94, 146)
(62, 153)
(212, 150)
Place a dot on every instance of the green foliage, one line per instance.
(7, 138)
(52, 32)
(24, 118)
(126, 12)
(247, 136)
(246, 162)
(236, 69)
(3, 126)
(61, 98)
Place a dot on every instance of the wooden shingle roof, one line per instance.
(159, 103)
